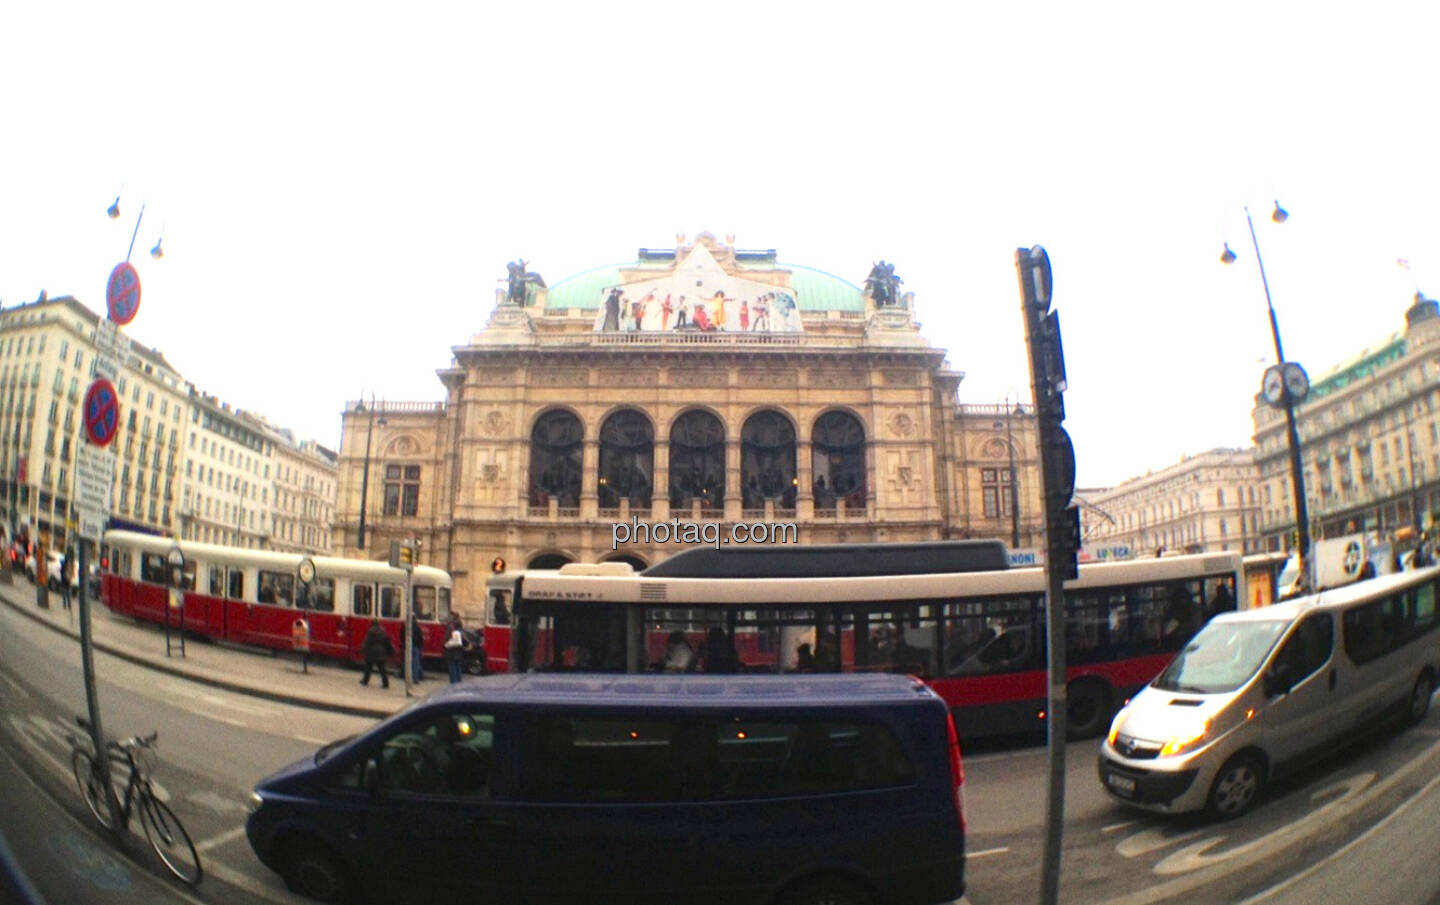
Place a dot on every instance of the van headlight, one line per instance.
(254, 803)
(1178, 744)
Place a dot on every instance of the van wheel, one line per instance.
(1236, 786)
(831, 891)
(1087, 710)
(316, 873)
(1420, 698)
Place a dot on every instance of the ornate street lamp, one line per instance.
(365, 471)
(1285, 385)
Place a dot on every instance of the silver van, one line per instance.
(1256, 691)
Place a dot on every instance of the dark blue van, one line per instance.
(843, 789)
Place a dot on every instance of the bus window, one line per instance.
(499, 608)
(1095, 626)
(322, 595)
(424, 602)
(237, 584)
(362, 600)
(391, 596)
(990, 636)
(277, 588)
(897, 640)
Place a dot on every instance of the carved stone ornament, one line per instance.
(404, 446)
(995, 449)
(629, 378)
(837, 379)
(490, 472)
(691, 378)
(495, 423)
(550, 538)
(495, 375)
(559, 377)
(905, 475)
(902, 425)
(898, 378)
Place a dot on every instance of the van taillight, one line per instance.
(957, 769)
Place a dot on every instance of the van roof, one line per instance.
(1337, 597)
(663, 690)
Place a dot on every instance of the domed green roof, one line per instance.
(815, 290)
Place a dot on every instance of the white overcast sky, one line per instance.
(341, 185)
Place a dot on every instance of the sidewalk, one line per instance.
(328, 685)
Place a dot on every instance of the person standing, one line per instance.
(65, 567)
(417, 646)
(378, 648)
(454, 648)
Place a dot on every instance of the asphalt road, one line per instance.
(1361, 826)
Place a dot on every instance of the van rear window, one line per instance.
(591, 759)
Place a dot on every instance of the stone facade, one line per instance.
(1370, 441)
(561, 420)
(1205, 503)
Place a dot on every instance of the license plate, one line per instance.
(1121, 784)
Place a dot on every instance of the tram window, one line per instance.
(217, 581)
(322, 595)
(391, 597)
(189, 574)
(277, 588)
(237, 585)
(443, 603)
(424, 602)
(362, 600)
(499, 607)
(152, 569)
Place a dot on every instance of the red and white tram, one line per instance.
(249, 596)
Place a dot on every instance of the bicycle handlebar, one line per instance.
(135, 741)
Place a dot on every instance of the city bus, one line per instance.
(977, 638)
(808, 561)
(252, 596)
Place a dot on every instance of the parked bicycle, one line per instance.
(131, 762)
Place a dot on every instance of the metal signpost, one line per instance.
(301, 630)
(1062, 528)
(402, 556)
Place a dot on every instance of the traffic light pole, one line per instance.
(1057, 473)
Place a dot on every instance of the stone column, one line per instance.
(590, 481)
(733, 498)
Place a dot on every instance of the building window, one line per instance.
(767, 460)
(627, 460)
(697, 461)
(402, 489)
(556, 450)
(995, 491)
(838, 461)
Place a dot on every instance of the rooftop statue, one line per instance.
(883, 285)
(520, 280)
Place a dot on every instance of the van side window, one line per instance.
(584, 759)
(1309, 647)
(1424, 608)
(450, 754)
(1375, 629)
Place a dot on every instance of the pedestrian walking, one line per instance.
(378, 648)
(65, 568)
(417, 646)
(455, 648)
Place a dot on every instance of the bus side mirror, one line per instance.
(1277, 680)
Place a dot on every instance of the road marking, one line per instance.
(1295, 878)
(19, 689)
(307, 739)
(988, 851)
(1276, 841)
(189, 690)
(1154, 839)
(1195, 856)
(221, 839)
(227, 874)
(1118, 826)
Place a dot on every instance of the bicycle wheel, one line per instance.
(91, 789)
(169, 839)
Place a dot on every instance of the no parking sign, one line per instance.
(101, 412)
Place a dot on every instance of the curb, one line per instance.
(214, 681)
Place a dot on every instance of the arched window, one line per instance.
(627, 460)
(838, 461)
(548, 561)
(767, 460)
(556, 454)
(697, 461)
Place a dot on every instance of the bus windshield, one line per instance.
(1222, 657)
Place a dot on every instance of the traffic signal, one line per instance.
(1049, 383)
(407, 555)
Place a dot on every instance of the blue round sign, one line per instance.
(122, 293)
(101, 412)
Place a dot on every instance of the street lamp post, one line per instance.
(1014, 481)
(365, 471)
(1288, 391)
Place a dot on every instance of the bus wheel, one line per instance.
(1236, 786)
(1087, 710)
(1420, 698)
